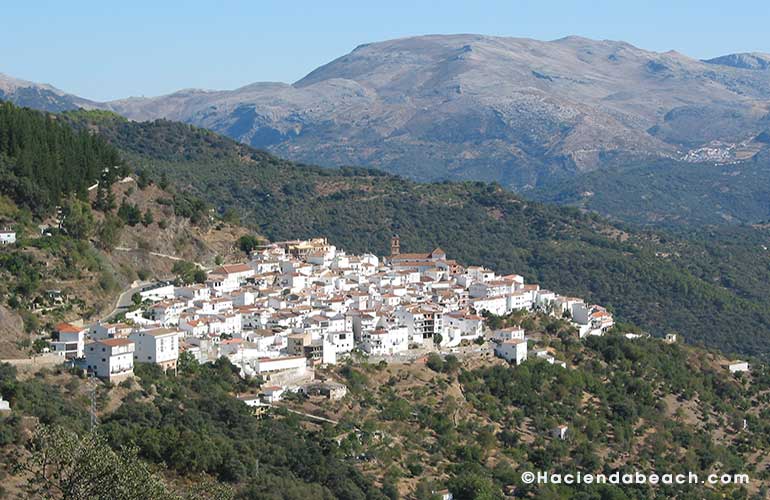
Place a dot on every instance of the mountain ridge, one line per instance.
(513, 110)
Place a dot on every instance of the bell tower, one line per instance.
(395, 245)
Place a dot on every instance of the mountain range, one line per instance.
(512, 110)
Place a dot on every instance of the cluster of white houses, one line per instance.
(297, 304)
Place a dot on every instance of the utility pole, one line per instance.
(93, 401)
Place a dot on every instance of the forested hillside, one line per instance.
(634, 405)
(666, 193)
(77, 248)
(407, 430)
(711, 290)
(43, 160)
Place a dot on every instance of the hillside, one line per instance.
(674, 195)
(78, 244)
(710, 290)
(471, 424)
(476, 423)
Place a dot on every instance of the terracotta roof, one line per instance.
(68, 328)
(232, 268)
(115, 342)
(407, 256)
(156, 332)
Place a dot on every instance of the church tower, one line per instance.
(395, 245)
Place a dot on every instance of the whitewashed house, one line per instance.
(157, 292)
(70, 341)
(386, 340)
(738, 366)
(110, 359)
(510, 333)
(159, 346)
(512, 351)
(7, 237)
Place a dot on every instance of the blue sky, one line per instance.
(106, 50)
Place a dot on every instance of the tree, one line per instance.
(147, 219)
(143, 179)
(435, 362)
(248, 243)
(105, 198)
(231, 216)
(188, 272)
(136, 299)
(451, 364)
(473, 486)
(78, 219)
(129, 213)
(109, 231)
(62, 465)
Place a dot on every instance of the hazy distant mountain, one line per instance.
(39, 96)
(752, 60)
(491, 108)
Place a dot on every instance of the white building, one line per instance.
(297, 364)
(7, 237)
(560, 432)
(157, 292)
(101, 331)
(110, 359)
(510, 333)
(234, 272)
(193, 292)
(459, 326)
(512, 351)
(738, 366)
(272, 393)
(70, 341)
(168, 312)
(494, 305)
(422, 321)
(386, 341)
(159, 346)
(342, 341)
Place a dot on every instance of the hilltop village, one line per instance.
(300, 304)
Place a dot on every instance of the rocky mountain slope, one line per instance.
(479, 107)
(39, 95)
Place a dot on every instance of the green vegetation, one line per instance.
(129, 213)
(628, 404)
(625, 397)
(660, 282)
(192, 425)
(188, 272)
(665, 193)
(43, 161)
(248, 243)
(63, 465)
